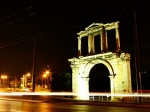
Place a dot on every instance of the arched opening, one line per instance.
(99, 79)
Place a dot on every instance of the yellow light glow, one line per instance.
(4, 76)
(28, 74)
(71, 93)
(44, 75)
(47, 72)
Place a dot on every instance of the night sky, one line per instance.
(58, 22)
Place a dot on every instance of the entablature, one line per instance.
(95, 28)
(108, 55)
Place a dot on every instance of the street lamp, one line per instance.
(28, 74)
(25, 79)
(47, 72)
(3, 77)
(47, 75)
(44, 76)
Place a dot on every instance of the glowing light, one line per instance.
(70, 93)
(28, 74)
(44, 75)
(4, 76)
(47, 72)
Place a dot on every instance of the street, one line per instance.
(25, 106)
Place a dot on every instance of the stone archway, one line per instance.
(92, 63)
(117, 62)
(119, 70)
(99, 80)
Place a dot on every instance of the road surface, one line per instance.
(37, 106)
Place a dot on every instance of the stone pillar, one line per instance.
(84, 89)
(74, 85)
(79, 46)
(127, 79)
(91, 48)
(112, 87)
(106, 41)
(104, 44)
(128, 73)
(101, 41)
(117, 36)
(80, 85)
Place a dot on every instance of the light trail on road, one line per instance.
(71, 94)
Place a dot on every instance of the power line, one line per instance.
(17, 20)
(20, 14)
(19, 40)
(12, 15)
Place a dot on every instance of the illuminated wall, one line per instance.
(118, 63)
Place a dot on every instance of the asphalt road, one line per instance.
(51, 99)
(40, 106)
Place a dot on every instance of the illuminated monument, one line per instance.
(118, 63)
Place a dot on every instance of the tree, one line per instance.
(62, 82)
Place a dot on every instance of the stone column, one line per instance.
(104, 44)
(79, 46)
(84, 89)
(128, 73)
(101, 41)
(74, 78)
(106, 41)
(91, 48)
(117, 36)
(112, 86)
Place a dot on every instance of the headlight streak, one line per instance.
(71, 94)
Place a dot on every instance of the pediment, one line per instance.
(94, 25)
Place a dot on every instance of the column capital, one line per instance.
(111, 76)
(117, 24)
(79, 37)
(85, 78)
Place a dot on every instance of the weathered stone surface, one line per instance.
(118, 63)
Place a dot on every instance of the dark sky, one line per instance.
(59, 21)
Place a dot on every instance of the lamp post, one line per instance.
(3, 79)
(25, 79)
(47, 75)
(33, 66)
(44, 76)
(137, 61)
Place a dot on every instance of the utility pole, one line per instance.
(33, 69)
(137, 65)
